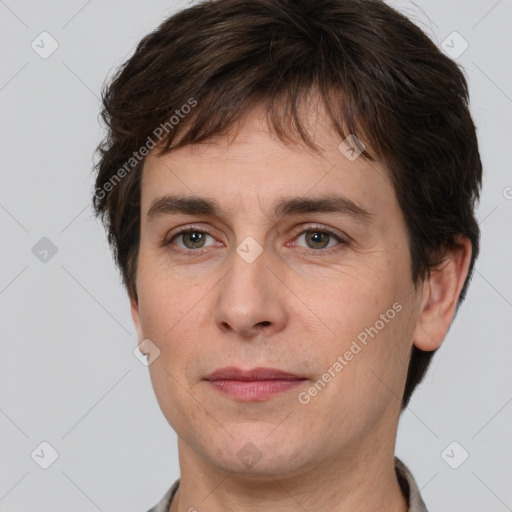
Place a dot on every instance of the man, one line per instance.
(289, 190)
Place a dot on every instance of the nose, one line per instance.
(251, 299)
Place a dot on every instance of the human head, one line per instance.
(379, 77)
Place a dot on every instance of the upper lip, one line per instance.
(233, 373)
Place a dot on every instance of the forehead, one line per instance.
(250, 166)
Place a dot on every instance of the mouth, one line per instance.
(254, 385)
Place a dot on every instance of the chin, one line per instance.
(253, 453)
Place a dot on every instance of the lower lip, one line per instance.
(256, 390)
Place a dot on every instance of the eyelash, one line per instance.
(311, 252)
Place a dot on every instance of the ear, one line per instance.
(440, 296)
(134, 307)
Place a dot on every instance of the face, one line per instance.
(289, 261)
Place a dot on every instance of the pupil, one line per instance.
(195, 237)
(317, 237)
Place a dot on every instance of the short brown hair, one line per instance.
(379, 76)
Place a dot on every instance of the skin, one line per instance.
(289, 309)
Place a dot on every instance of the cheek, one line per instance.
(170, 319)
(352, 299)
(368, 315)
(170, 314)
(165, 298)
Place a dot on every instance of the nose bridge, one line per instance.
(248, 277)
(249, 297)
(251, 254)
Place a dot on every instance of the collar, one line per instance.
(409, 487)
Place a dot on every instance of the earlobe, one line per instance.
(440, 296)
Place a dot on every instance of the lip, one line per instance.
(233, 373)
(256, 385)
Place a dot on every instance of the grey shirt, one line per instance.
(404, 476)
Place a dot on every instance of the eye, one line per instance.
(191, 238)
(317, 238)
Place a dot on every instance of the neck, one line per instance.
(350, 483)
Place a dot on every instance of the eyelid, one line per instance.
(324, 229)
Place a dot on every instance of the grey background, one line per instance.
(68, 375)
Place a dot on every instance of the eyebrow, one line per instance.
(284, 206)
